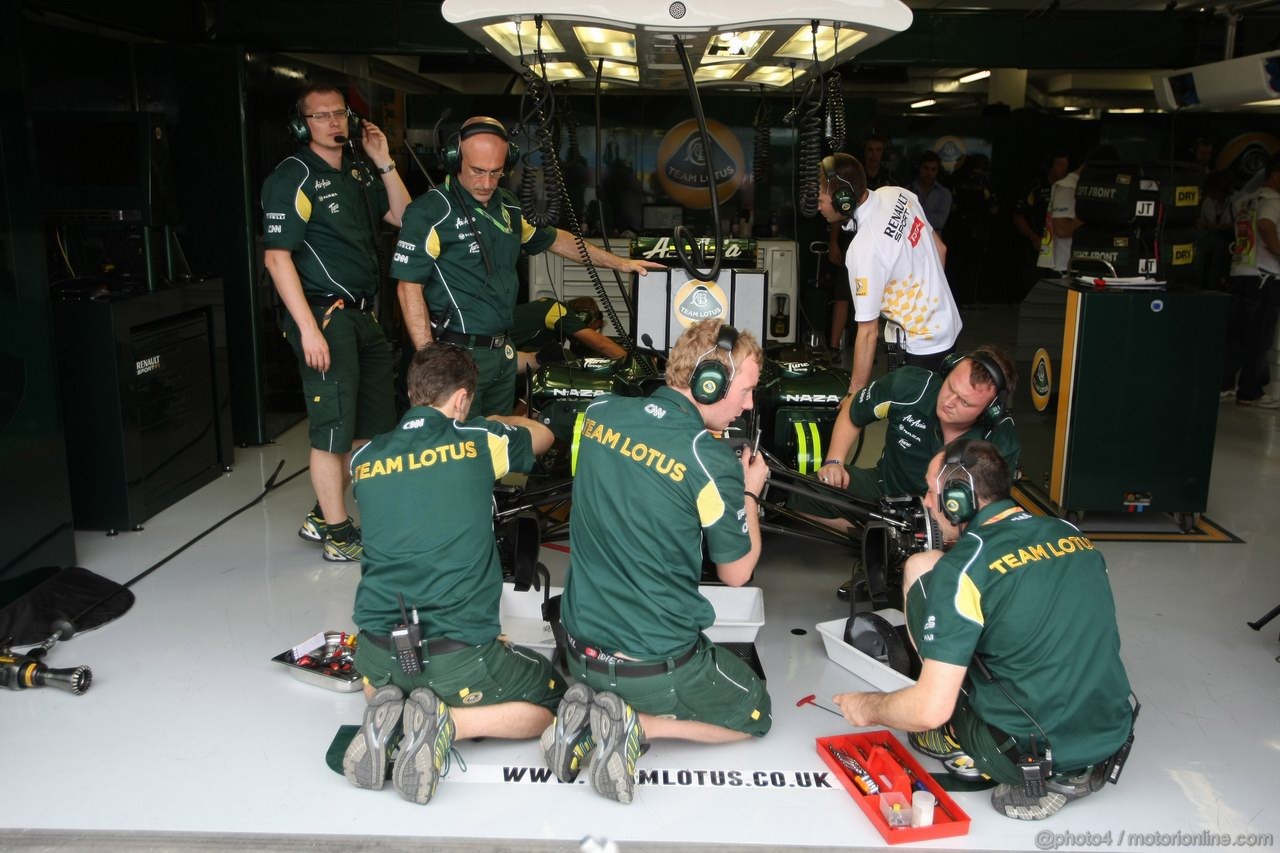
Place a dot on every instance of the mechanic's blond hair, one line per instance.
(698, 343)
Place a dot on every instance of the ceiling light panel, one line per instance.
(600, 43)
(518, 38)
(735, 46)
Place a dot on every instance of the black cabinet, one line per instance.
(145, 401)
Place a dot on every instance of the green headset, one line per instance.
(956, 499)
(301, 133)
(453, 148)
(710, 381)
(999, 405)
(841, 197)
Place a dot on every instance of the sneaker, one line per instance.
(938, 743)
(343, 545)
(1227, 395)
(424, 750)
(365, 761)
(313, 527)
(619, 739)
(567, 742)
(1266, 401)
(1012, 801)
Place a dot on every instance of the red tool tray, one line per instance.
(886, 760)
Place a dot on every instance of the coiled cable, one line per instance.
(761, 153)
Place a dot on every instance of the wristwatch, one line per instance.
(387, 169)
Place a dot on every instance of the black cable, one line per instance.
(267, 487)
(681, 233)
(543, 113)
(604, 231)
(761, 153)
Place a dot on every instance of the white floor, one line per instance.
(190, 728)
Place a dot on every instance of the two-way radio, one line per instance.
(406, 641)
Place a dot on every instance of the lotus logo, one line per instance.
(683, 160)
(953, 505)
(709, 386)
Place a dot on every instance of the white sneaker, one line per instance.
(1266, 401)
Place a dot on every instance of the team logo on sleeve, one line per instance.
(861, 288)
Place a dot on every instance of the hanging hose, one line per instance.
(835, 124)
(682, 233)
(552, 182)
(604, 231)
(551, 167)
(809, 145)
(761, 154)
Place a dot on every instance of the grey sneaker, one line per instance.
(568, 741)
(619, 744)
(365, 761)
(313, 528)
(1012, 801)
(424, 750)
(343, 545)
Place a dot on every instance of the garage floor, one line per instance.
(191, 738)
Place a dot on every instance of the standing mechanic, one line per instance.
(322, 256)
(895, 268)
(1016, 627)
(1255, 293)
(540, 329)
(653, 483)
(457, 254)
(426, 494)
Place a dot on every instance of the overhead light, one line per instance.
(738, 31)
(1071, 109)
(620, 71)
(598, 43)
(775, 75)
(519, 41)
(564, 71)
(735, 46)
(802, 44)
(927, 102)
(718, 71)
(1128, 111)
(974, 77)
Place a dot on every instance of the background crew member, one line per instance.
(1055, 245)
(1027, 597)
(426, 495)
(1031, 214)
(873, 165)
(540, 328)
(1255, 292)
(322, 257)
(895, 268)
(460, 244)
(934, 198)
(653, 483)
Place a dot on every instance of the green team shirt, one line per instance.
(543, 322)
(438, 250)
(1031, 595)
(426, 506)
(319, 213)
(652, 483)
(907, 400)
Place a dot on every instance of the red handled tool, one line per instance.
(811, 699)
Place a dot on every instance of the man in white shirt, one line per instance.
(895, 265)
(1061, 224)
(1255, 292)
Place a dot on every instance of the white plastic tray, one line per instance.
(521, 617)
(739, 613)
(868, 669)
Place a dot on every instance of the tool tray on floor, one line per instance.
(897, 774)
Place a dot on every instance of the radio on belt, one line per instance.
(406, 641)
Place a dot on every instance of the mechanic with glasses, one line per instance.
(323, 259)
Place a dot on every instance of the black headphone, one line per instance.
(301, 133)
(956, 499)
(841, 199)
(999, 404)
(453, 148)
(586, 318)
(709, 382)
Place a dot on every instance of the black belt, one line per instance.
(601, 661)
(465, 340)
(364, 303)
(438, 646)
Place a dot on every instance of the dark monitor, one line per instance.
(104, 165)
(661, 218)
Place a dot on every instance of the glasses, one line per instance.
(340, 115)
